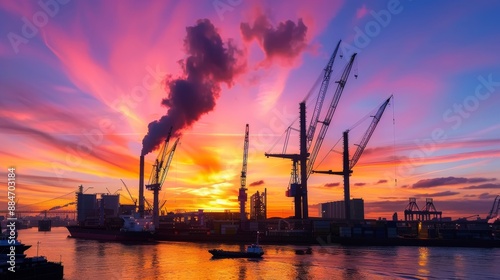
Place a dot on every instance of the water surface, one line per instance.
(88, 259)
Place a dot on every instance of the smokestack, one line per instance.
(141, 186)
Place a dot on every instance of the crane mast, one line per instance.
(242, 196)
(493, 215)
(368, 134)
(131, 197)
(321, 97)
(349, 164)
(159, 173)
(329, 114)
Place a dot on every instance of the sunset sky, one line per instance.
(81, 80)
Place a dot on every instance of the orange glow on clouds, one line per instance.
(77, 99)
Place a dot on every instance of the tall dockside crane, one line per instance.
(159, 173)
(349, 164)
(329, 114)
(493, 215)
(242, 196)
(298, 184)
(321, 97)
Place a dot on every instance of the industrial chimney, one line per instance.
(141, 186)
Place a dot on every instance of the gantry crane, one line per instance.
(159, 173)
(349, 164)
(298, 186)
(242, 196)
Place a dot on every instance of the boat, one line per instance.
(252, 251)
(306, 251)
(15, 265)
(44, 225)
(125, 228)
(104, 219)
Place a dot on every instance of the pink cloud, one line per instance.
(361, 12)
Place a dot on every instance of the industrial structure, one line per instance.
(93, 210)
(305, 160)
(242, 193)
(347, 163)
(336, 209)
(429, 212)
(258, 206)
(495, 208)
(159, 173)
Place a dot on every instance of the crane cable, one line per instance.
(394, 142)
(331, 150)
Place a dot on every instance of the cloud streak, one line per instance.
(482, 186)
(443, 181)
(437, 194)
(257, 183)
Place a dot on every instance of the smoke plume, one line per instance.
(286, 41)
(210, 63)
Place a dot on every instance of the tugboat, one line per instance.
(252, 251)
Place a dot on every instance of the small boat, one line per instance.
(307, 251)
(252, 251)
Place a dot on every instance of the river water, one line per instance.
(87, 259)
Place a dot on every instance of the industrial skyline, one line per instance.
(82, 82)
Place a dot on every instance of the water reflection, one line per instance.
(423, 256)
(85, 259)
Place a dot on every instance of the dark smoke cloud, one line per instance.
(257, 183)
(209, 64)
(436, 182)
(286, 41)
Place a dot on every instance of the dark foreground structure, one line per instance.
(214, 228)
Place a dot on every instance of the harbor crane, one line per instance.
(348, 164)
(159, 173)
(242, 195)
(495, 208)
(298, 185)
(131, 197)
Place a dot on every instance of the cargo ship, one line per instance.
(128, 230)
(104, 219)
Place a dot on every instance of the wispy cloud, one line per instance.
(483, 186)
(437, 194)
(257, 183)
(443, 181)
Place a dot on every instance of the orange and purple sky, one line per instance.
(80, 82)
